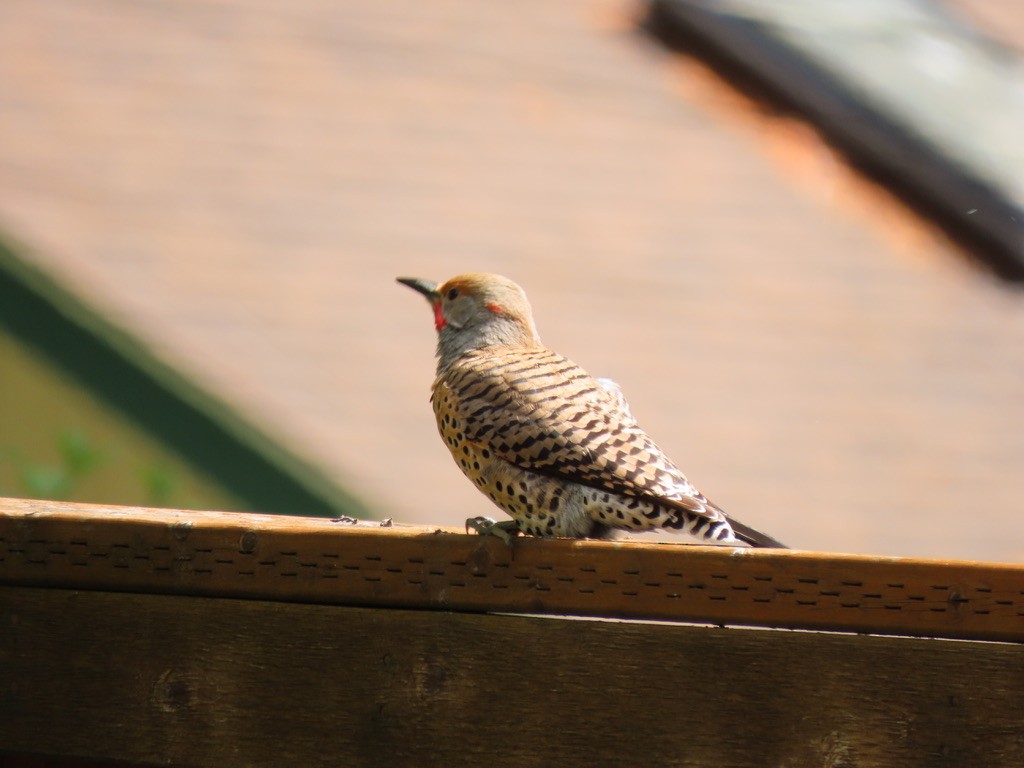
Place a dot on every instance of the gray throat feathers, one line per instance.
(453, 342)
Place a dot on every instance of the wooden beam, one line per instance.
(219, 682)
(314, 560)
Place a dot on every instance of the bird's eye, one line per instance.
(452, 293)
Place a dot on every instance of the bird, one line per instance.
(552, 446)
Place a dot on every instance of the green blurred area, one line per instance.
(57, 441)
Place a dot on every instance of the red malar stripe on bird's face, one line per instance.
(496, 308)
(439, 321)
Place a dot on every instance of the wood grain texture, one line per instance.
(315, 560)
(219, 682)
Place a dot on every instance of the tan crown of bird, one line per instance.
(555, 448)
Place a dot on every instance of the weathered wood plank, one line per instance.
(312, 559)
(220, 682)
(23, 760)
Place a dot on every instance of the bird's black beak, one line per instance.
(427, 287)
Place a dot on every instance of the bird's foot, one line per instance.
(344, 519)
(505, 530)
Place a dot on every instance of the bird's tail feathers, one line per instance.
(753, 537)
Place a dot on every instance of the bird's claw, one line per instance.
(344, 519)
(505, 530)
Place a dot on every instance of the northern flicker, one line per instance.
(555, 448)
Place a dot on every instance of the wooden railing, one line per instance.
(204, 638)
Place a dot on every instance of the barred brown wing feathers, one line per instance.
(538, 410)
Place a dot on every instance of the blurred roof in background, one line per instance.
(238, 184)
